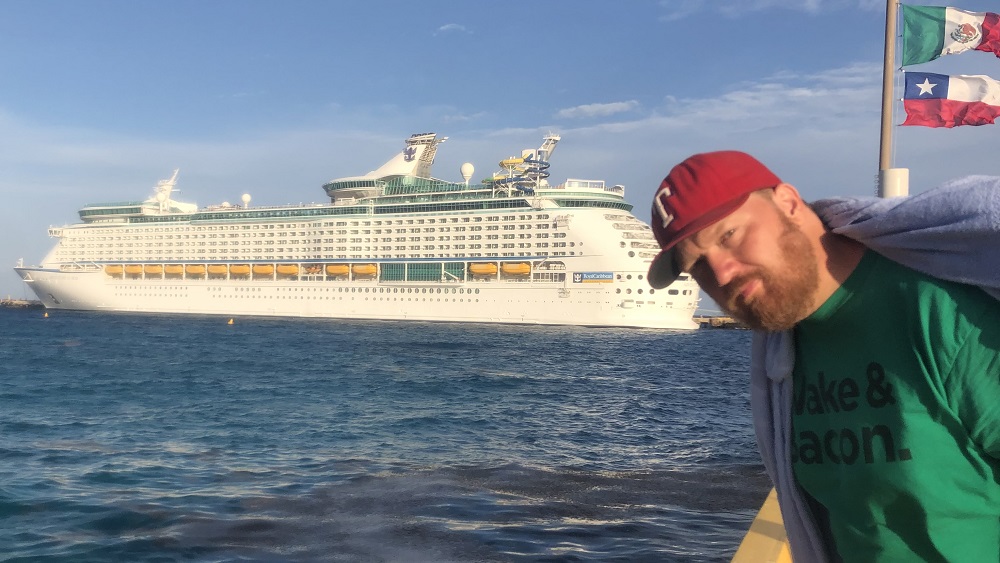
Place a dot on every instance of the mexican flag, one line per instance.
(931, 31)
(940, 100)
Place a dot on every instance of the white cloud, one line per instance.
(597, 110)
(674, 10)
(452, 28)
(833, 95)
(462, 117)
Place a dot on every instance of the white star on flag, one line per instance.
(926, 87)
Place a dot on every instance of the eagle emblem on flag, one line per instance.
(965, 33)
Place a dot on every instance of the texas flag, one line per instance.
(940, 100)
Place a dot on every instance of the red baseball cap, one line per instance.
(697, 193)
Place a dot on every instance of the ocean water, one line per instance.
(173, 438)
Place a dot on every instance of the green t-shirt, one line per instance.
(896, 416)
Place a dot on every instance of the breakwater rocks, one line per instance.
(719, 322)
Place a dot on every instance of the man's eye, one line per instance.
(697, 268)
(727, 235)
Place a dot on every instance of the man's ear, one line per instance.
(788, 200)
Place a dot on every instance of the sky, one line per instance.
(101, 99)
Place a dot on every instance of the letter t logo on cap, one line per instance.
(661, 210)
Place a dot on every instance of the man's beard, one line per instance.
(786, 296)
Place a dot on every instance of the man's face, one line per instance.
(756, 263)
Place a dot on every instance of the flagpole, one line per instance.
(891, 181)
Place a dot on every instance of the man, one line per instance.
(894, 402)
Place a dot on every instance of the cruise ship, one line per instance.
(393, 244)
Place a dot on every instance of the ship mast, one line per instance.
(892, 182)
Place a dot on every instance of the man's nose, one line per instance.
(724, 267)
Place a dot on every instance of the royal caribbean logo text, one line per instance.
(593, 277)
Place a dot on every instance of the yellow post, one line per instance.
(766, 542)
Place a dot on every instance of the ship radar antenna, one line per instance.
(467, 171)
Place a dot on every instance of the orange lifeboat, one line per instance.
(261, 269)
(516, 268)
(195, 269)
(239, 270)
(133, 269)
(364, 269)
(288, 270)
(173, 269)
(114, 270)
(217, 270)
(483, 268)
(153, 269)
(337, 269)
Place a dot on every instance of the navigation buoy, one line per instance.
(230, 321)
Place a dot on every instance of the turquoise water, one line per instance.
(170, 438)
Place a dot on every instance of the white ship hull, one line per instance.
(523, 302)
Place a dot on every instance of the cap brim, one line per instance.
(663, 271)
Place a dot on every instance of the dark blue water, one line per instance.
(168, 438)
